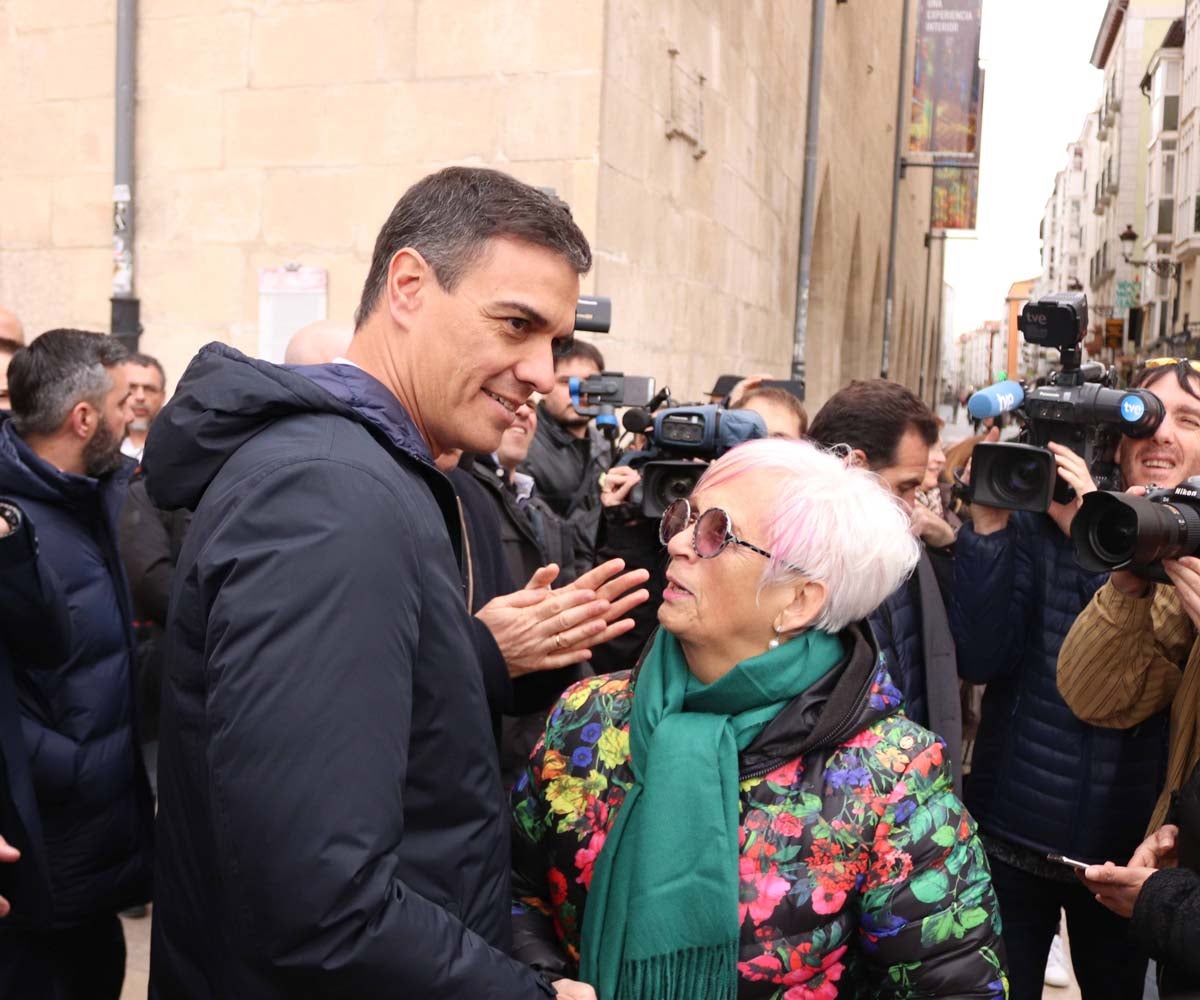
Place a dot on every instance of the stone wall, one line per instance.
(271, 131)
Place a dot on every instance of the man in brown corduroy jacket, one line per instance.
(1133, 652)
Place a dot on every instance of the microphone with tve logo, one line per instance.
(993, 400)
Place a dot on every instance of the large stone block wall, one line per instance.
(271, 131)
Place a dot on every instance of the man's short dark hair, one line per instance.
(780, 397)
(59, 369)
(147, 361)
(872, 416)
(573, 348)
(449, 216)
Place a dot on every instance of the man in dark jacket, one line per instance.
(1043, 781)
(888, 430)
(568, 454)
(60, 460)
(531, 536)
(151, 540)
(35, 631)
(331, 814)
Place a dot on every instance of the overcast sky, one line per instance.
(1040, 86)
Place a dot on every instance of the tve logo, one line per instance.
(1132, 409)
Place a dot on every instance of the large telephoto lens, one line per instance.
(1119, 531)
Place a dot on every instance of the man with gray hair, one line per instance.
(331, 819)
(60, 461)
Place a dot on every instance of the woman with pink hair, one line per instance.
(748, 813)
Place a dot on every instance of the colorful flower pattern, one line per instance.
(860, 871)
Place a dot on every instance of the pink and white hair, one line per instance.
(832, 522)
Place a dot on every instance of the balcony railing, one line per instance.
(1111, 177)
(1102, 265)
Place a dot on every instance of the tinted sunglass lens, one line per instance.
(674, 520)
(711, 531)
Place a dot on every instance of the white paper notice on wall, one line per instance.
(289, 297)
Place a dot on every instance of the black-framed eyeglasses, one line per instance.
(712, 533)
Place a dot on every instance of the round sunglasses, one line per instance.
(712, 533)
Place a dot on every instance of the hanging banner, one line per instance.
(947, 95)
(955, 198)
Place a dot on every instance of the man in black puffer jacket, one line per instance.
(1042, 781)
(888, 430)
(60, 460)
(331, 819)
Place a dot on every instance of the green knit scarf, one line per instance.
(662, 913)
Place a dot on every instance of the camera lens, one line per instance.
(1114, 537)
(676, 488)
(1116, 530)
(1021, 481)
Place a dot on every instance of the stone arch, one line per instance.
(854, 331)
(874, 345)
(822, 356)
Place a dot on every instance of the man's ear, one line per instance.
(82, 419)
(808, 601)
(857, 459)
(408, 275)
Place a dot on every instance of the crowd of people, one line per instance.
(372, 674)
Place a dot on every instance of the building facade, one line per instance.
(1062, 233)
(981, 353)
(1186, 242)
(1126, 184)
(282, 132)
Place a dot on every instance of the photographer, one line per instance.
(1045, 780)
(1133, 653)
(568, 454)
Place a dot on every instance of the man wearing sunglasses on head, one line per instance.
(1045, 779)
(1132, 655)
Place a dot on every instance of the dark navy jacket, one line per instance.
(35, 632)
(914, 637)
(331, 822)
(1039, 776)
(77, 716)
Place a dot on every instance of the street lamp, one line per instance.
(1163, 267)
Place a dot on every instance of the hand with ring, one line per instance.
(541, 629)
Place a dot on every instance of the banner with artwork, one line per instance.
(947, 89)
(955, 197)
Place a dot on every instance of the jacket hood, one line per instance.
(855, 695)
(225, 398)
(24, 475)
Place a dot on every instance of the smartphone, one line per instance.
(1058, 859)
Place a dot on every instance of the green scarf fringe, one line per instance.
(708, 973)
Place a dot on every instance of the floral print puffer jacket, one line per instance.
(861, 872)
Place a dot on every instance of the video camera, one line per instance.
(599, 395)
(1120, 531)
(1078, 407)
(682, 441)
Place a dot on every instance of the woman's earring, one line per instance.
(774, 643)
